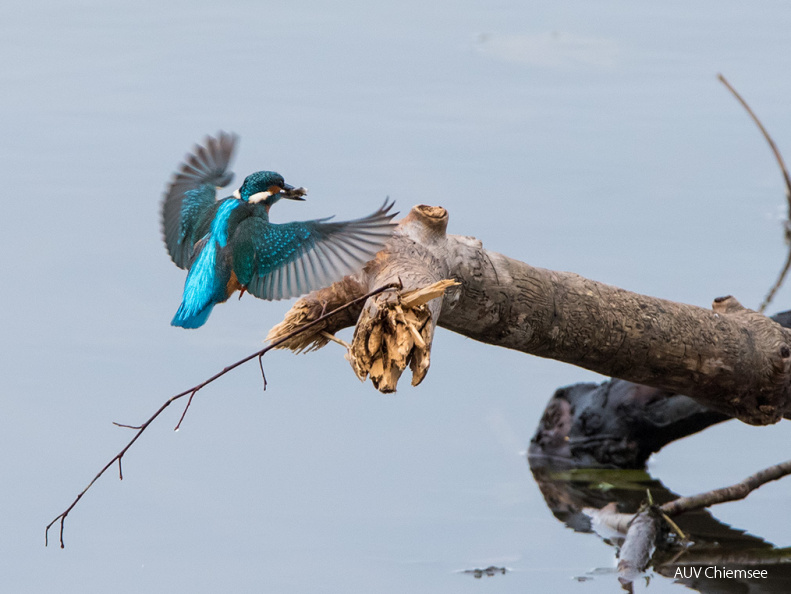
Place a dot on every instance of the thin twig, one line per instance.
(126, 426)
(261, 365)
(768, 138)
(192, 391)
(780, 278)
(186, 408)
(770, 295)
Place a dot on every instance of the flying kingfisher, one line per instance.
(229, 244)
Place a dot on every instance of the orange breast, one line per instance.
(233, 285)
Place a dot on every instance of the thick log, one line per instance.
(617, 424)
(730, 358)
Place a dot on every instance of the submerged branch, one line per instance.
(645, 531)
(734, 492)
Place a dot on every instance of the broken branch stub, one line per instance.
(397, 330)
(393, 332)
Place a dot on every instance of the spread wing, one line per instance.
(281, 261)
(192, 195)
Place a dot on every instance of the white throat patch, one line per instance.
(259, 197)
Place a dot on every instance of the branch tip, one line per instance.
(261, 365)
(138, 427)
(191, 392)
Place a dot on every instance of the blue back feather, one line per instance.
(204, 287)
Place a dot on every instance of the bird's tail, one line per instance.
(189, 318)
(200, 290)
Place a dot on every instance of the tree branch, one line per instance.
(139, 429)
(729, 358)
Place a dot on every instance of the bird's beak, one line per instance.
(293, 193)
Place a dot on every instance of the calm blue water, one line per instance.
(590, 137)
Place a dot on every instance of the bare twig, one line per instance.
(768, 138)
(186, 408)
(735, 492)
(192, 391)
(781, 277)
(261, 366)
(126, 426)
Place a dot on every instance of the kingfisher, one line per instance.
(230, 244)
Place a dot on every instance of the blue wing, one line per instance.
(281, 261)
(191, 196)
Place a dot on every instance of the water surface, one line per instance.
(577, 136)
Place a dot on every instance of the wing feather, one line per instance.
(191, 195)
(282, 261)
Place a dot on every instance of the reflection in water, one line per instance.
(702, 565)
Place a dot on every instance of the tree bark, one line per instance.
(617, 424)
(729, 358)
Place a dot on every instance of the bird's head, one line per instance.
(267, 187)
